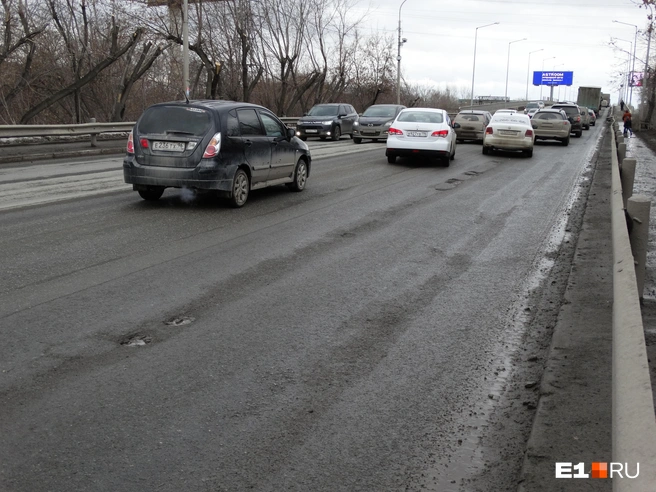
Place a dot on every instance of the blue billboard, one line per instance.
(553, 78)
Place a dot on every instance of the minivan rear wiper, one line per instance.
(179, 132)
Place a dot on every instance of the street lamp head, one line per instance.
(404, 40)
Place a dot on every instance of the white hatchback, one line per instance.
(509, 132)
(422, 132)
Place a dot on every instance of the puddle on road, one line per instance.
(180, 321)
(136, 340)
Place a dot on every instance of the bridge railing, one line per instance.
(633, 418)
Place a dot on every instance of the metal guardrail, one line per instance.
(633, 420)
(17, 131)
(93, 129)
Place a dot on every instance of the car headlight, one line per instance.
(388, 124)
(355, 123)
(328, 122)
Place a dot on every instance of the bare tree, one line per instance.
(22, 26)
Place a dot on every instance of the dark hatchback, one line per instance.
(226, 147)
(375, 122)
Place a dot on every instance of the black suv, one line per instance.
(327, 121)
(224, 146)
(573, 115)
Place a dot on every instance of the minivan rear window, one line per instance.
(175, 119)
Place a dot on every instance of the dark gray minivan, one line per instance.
(226, 147)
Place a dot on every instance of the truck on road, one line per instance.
(590, 97)
(605, 100)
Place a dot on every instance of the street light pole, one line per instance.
(555, 67)
(628, 68)
(471, 103)
(635, 43)
(185, 48)
(541, 85)
(398, 60)
(508, 66)
(528, 70)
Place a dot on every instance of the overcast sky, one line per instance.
(440, 46)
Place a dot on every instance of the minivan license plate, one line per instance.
(169, 146)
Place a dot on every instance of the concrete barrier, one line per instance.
(634, 419)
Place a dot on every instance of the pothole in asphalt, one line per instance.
(136, 340)
(180, 321)
(454, 180)
(471, 173)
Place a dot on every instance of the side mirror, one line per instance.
(290, 133)
(456, 125)
(342, 115)
(305, 114)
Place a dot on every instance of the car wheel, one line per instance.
(152, 194)
(357, 140)
(528, 153)
(446, 161)
(486, 150)
(578, 134)
(391, 159)
(322, 138)
(453, 155)
(240, 189)
(565, 141)
(337, 133)
(300, 176)
(303, 138)
(458, 140)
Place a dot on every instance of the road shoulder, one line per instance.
(573, 418)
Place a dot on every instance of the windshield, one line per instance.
(532, 105)
(421, 117)
(174, 119)
(323, 111)
(380, 111)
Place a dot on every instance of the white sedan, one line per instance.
(509, 132)
(422, 132)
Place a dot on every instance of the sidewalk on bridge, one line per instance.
(573, 417)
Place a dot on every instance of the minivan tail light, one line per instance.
(213, 147)
(130, 148)
(395, 131)
(144, 143)
(529, 133)
(488, 130)
(440, 133)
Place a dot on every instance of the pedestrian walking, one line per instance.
(622, 105)
(628, 126)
